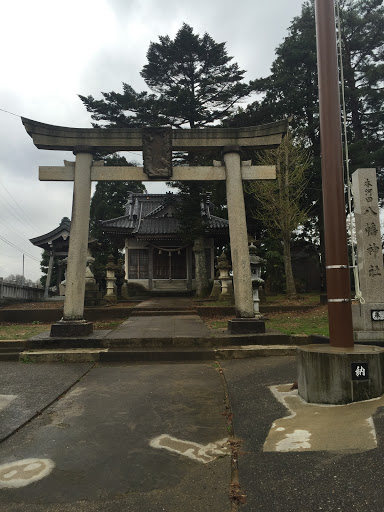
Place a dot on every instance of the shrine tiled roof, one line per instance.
(57, 236)
(153, 215)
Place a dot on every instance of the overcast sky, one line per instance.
(52, 51)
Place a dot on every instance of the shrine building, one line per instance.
(157, 256)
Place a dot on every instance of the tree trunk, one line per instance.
(289, 281)
(202, 284)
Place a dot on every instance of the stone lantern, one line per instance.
(256, 263)
(92, 295)
(111, 295)
(226, 280)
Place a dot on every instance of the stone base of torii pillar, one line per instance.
(71, 328)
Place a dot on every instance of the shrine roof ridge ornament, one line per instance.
(51, 137)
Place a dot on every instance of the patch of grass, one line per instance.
(12, 331)
(217, 324)
(308, 322)
(290, 322)
(215, 303)
(112, 324)
(301, 299)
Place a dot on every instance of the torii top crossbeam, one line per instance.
(46, 136)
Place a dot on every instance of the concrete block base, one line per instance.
(246, 326)
(363, 321)
(368, 336)
(325, 373)
(71, 328)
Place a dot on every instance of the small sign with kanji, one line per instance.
(377, 315)
(360, 371)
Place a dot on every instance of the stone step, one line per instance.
(11, 345)
(157, 355)
(10, 356)
(166, 343)
(163, 312)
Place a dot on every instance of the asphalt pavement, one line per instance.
(154, 437)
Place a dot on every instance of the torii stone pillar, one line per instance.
(77, 252)
(238, 234)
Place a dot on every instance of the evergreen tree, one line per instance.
(362, 36)
(193, 84)
(291, 91)
(192, 80)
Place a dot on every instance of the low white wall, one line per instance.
(15, 291)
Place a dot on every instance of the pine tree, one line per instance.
(193, 82)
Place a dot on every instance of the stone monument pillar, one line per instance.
(368, 316)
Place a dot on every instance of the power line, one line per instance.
(21, 209)
(18, 249)
(8, 112)
(22, 221)
(8, 223)
(22, 238)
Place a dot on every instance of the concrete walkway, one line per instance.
(162, 318)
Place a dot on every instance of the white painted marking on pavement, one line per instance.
(201, 453)
(23, 472)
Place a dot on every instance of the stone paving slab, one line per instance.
(160, 327)
(165, 303)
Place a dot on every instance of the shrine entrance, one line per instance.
(157, 145)
(170, 264)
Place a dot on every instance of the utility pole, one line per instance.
(335, 230)
(22, 280)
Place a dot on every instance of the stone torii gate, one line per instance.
(157, 145)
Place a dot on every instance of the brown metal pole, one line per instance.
(335, 232)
